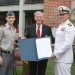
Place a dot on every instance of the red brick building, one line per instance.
(50, 9)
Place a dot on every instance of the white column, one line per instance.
(21, 19)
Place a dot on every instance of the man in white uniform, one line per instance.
(64, 36)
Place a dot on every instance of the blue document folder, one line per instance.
(28, 50)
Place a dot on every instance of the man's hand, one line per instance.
(1, 60)
(53, 56)
(23, 37)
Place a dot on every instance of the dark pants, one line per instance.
(37, 67)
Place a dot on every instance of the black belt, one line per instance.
(7, 52)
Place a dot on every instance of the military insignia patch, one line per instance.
(61, 8)
(69, 24)
(62, 29)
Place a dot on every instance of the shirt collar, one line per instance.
(67, 21)
(37, 25)
(8, 26)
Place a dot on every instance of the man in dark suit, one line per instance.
(36, 31)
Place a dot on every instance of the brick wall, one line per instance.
(50, 10)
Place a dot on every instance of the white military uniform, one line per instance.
(63, 48)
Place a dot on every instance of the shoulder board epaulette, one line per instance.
(62, 29)
(69, 24)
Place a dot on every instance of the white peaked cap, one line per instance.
(64, 9)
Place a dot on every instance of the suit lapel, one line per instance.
(43, 31)
(34, 30)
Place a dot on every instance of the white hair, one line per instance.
(38, 12)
